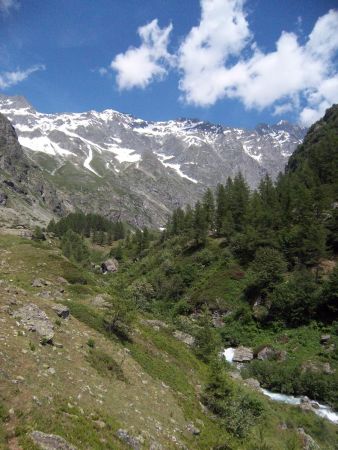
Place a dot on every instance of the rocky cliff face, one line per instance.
(26, 197)
(139, 171)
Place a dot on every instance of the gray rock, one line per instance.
(61, 310)
(61, 280)
(124, 436)
(217, 320)
(252, 383)
(266, 353)
(184, 337)
(3, 199)
(324, 338)
(34, 319)
(154, 323)
(193, 430)
(50, 441)
(110, 266)
(243, 354)
(39, 282)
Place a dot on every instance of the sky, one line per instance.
(233, 62)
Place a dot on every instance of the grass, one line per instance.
(105, 364)
(173, 377)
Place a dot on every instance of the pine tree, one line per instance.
(209, 208)
(200, 224)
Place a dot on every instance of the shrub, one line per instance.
(91, 343)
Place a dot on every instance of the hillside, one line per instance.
(218, 333)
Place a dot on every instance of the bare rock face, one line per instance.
(50, 441)
(243, 354)
(110, 266)
(184, 337)
(34, 319)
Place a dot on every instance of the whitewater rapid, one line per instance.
(322, 410)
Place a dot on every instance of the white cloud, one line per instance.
(138, 67)
(222, 32)
(220, 59)
(6, 5)
(8, 79)
(289, 76)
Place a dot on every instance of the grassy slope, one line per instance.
(158, 393)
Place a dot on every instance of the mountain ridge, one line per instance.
(145, 168)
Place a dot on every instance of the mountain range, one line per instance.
(135, 170)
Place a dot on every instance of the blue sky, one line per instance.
(233, 62)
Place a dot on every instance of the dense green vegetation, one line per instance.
(261, 264)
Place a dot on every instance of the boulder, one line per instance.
(217, 320)
(266, 353)
(50, 441)
(3, 199)
(184, 337)
(243, 354)
(124, 436)
(61, 310)
(61, 280)
(324, 338)
(39, 282)
(193, 430)
(253, 383)
(34, 319)
(110, 266)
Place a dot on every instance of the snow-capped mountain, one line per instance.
(157, 165)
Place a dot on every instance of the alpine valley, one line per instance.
(127, 168)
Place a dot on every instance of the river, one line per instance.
(322, 410)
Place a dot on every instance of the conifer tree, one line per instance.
(209, 208)
(200, 224)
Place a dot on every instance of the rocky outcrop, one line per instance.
(50, 441)
(243, 354)
(35, 320)
(23, 185)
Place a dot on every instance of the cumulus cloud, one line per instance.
(8, 79)
(290, 76)
(138, 67)
(223, 32)
(220, 59)
(6, 5)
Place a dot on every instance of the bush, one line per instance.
(120, 317)
(238, 410)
